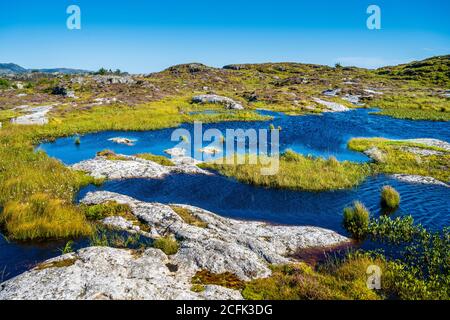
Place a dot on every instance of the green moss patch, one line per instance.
(188, 217)
(226, 279)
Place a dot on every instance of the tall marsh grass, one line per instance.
(296, 172)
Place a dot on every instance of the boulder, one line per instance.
(212, 98)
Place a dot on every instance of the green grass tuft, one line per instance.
(356, 220)
(167, 244)
(390, 197)
(158, 159)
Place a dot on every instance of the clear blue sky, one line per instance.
(143, 36)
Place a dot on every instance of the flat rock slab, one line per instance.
(213, 98)
(108, 273)
(134, 167)
(332, 106)
(431, 143)
(36, 116)
(244, 248)
(418, 179)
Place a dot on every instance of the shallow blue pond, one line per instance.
(319, 135)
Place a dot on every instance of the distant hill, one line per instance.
(12, 68)
(435, 70)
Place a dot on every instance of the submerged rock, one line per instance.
(418, 179)
(212, 98)
(120, 140)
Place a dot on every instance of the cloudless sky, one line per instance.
(143, 36)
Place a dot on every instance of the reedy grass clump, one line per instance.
(301, 282)
(43, 217)
(356, 220)
(390, 197)
(295, 172)
(419, 106)
(112, 208)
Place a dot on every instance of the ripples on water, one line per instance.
(318, 135)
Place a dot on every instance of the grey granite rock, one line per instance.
(331, 106)
(35, 116)
(244, 248)
(212, 98)
(98, 273)
(134, 167)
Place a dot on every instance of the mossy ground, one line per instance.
(158, 159)
(189, 217)
(226, 279)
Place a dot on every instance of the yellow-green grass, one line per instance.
(25, 172)
(390, 197)
(158, 159)
(167, 244)
(398, 160)
(302, 282)
(414, 107)
(188, 217)
(356, 220)
(112, 208)
(57, 264)
(43, 217)
(295, 172)
(111, 155)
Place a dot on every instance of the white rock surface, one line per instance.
(213, 98)
(100, 273)
(244, 248)
(134, 167)
(121, 140)
(418, 179)
(431, 143)
(331, 106)
(35, 116)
